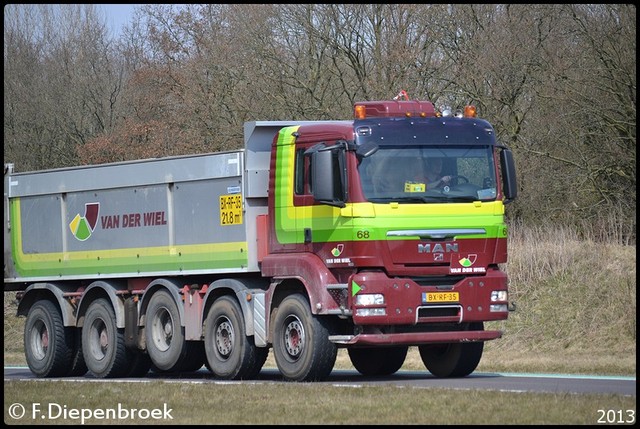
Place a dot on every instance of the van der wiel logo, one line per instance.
(82, 226)
(469, 260)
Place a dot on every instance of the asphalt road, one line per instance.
(511, 382)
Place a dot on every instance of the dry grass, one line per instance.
(301, 403)
(576, 301)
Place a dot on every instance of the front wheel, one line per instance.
(231, 354)
(378, 361)
(301, 343)
(452, 359)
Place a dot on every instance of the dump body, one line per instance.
(132, 219)
(312, 237)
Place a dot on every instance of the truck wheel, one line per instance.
(78, 367)
(139, 364)
(452, 359)
(231, 354)
(378, 361)
(48, 346)
(301, 343)
(193, 358)
(164, 335)
(103, 343)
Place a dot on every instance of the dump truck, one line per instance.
(315, 236)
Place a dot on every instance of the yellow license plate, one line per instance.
(442, 296)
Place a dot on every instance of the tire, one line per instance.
(378, 361)
(231, 354)
(193, 358)
(452, 359)
(139, 364)
(164, 335)
(103, 344)
(301, 343)
(78, 367)
(48, 346)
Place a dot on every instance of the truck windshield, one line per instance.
(429, 174)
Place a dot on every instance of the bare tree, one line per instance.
(557, 81)
(595, 92)
(61, 83)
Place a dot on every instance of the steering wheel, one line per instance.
(459, 177)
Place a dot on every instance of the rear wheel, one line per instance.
(452, 359)
(231, 354)
(48, 346)
(139, 364)
(103, 343)
(378, 361)
(193, 358)
(164, 335)
(301, 343)
(78, 367)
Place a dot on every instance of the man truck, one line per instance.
(315, 236)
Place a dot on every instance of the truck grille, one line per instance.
(444, 282)
(439, 313)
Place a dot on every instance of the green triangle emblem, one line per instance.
(354, 288)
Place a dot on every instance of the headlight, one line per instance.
(499, 295)
(369, 299)
(370, 312)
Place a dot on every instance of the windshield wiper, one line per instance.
(460, 198)
(426, 199)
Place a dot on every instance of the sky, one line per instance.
(118, 15)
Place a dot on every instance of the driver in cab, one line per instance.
(434, 176)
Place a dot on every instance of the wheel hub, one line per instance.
(224, 338)
(162, 330)
(294, 338)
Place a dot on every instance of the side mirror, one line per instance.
(328, 177)
(509, 182)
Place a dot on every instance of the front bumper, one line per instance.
(468, 299)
